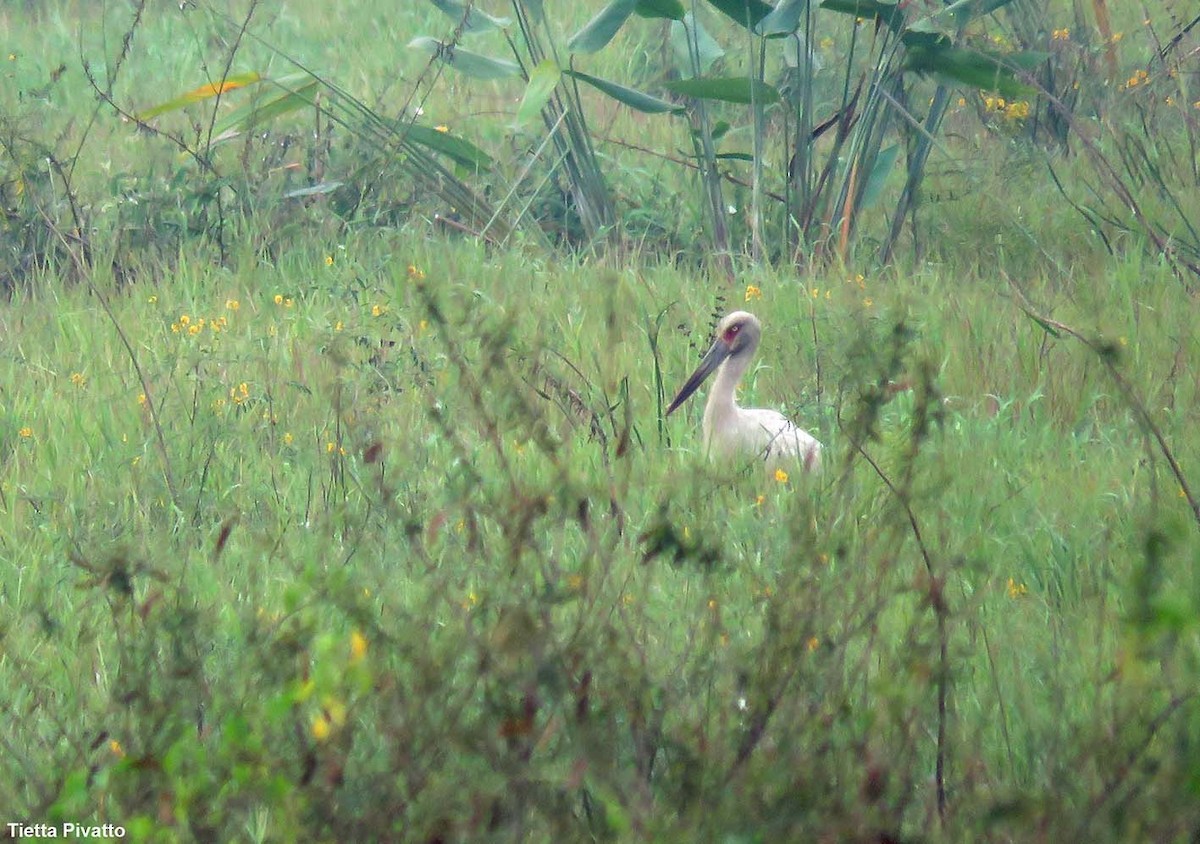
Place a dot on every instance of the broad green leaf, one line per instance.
(741, 89)
(783, 20)
(884, 162)
(597, 32)
(707, 49)
(472, 64)
(746, 13)
(476, 21)
(541, 85)
(969, 67)
(292, 92)
(671, 9)
(204, 92)
(460, 151)
(890, 14)
(628, 96)
(315, 190)
(968, 10)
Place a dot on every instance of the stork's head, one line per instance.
(736, 336)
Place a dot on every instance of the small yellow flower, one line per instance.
(575, 582)
(194, 330)
(1124, 341)
(329, 260)
(758, 501)
(826, 43)
(781, 476)
(320, 727)
(232, 304)
(218, 404)
(1015, 589)
(117, 750)
(358, 647)
(378, 310)
(472, 600)
(443, 128)
(868, 301)
(337, 326)
(329, 447)
(184, 319)
(423, 326)
(753, 292)
(1061, 34)
(712, 604)
(25, 432)
(175, 327)
(415, 272)
(962, 101)
(142, 399)
(153, 300)
(77, 379)
(812, 644)
(278, 298)
(287, 303)
(287, 438)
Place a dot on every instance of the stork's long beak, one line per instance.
(712, 359)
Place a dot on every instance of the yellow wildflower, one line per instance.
(753, 292)
(1061, 34)
(184, 319)
(141, 398)
(358, 647)
(287, 438)
(378, 310)
(115, 747)
(77, 379)
(781, 476)
(1015, 589)
(320, 727)
(443, 128)
(153, 300)
(812, 644)
(25, 432)
(232, 304)
(278, 298)
(329, 260)
(415, 272)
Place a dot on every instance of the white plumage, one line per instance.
(731, 431)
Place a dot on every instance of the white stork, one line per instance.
(730, 430)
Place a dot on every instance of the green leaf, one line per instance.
(460, 151)
(628, 96)
(741, 89)
(476, 21)
(969, 67)
(542, 83)
(890, 15)
(965, 11)
(285, 98)
(315, 190)
(734, 156)
(884, 162)
(671, 9)
(597, 32)
(783, 20)
(707, 49)
(204, 92)
(746, 13)
(471, 64)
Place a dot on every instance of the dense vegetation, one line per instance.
(336, 496)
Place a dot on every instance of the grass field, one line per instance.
(353, 531)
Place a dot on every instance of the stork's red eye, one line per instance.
(731, 332)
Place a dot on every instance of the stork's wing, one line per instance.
(779, 440)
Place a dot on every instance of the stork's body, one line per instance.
(731, 431)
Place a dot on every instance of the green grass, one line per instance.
(397, 545)
(461, 552)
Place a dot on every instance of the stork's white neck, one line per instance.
(721, 408)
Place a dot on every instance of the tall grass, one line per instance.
(346, 525)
